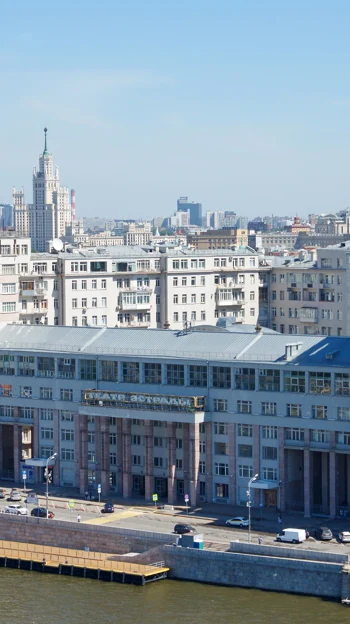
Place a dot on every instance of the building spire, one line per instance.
(45, 146)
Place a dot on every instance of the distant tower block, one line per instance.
(72, 201)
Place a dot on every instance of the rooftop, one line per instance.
(193, 345)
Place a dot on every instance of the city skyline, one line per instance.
(243, 109)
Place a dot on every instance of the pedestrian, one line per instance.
(90, 495)
(279, 520)
(259, 540)
(86, 494)
(78, 518)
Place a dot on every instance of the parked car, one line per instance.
(344, 537)
(295, 536)
(323, 533)
(181, 529)
(238, 521)
(40, 512)
(18, 510)
(108, 508)
(15, 495)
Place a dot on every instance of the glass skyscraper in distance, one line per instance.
(194, 208)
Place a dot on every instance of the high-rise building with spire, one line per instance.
(50, 213)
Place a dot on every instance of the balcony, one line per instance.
(308, 315)
(40, 291)
(46, 373)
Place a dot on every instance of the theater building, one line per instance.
(174, 413)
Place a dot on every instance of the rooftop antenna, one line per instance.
(45, 145)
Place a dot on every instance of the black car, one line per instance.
(323, 533)
(108, 508)
(181, 529)
(40, 512)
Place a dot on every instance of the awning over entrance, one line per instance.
(38, 462)
(265, 485)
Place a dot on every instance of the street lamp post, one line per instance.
(47, 482)
(249, 503)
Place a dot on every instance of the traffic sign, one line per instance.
(187, 498)
(24, 475)
(155, 498)
(99, 489)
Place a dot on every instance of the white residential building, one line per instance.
(135, 287)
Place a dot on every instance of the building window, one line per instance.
(320, 436)
(270, 474)
(342, 384)
(198, 376)
(269, 432)
(244, 407)
(221, 377)
(269, 380)
(246, 472)
(157, 441)
(153, 373)
(294, 434)
(109, 370)
(67, 454)
(46, 433)
(66, 394)
(201, 446)
(46, 414)
(343, 438)
(220, 428)
(220, 405)
(113, 459)
(136, 439)
(319, 383)
(91, 437)
(221, 469)
(179, 463)
(294, 381)
(46, 393)
(131, 372)
(91, 457)
(88, 369)
(245, 378)
(24, 391)
(343, 413)
(245, 450)
(268, 408)
(159, 462)
(294, 410)
(175, 374)
(245, 431)
(26, 412)
(112, 439)
(319, 411)
(67, 416)
(269, 452)
(67, 435)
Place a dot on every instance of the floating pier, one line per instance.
(81, 563)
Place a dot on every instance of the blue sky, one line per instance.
(243, 106)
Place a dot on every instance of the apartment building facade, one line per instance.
(134, 287)
(173, 413)
(312, 296)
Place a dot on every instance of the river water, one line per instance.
(34, 598)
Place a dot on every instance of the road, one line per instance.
(216, 534)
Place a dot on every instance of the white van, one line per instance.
(296, 536)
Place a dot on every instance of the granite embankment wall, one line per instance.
(78, 535)
(289, 575)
